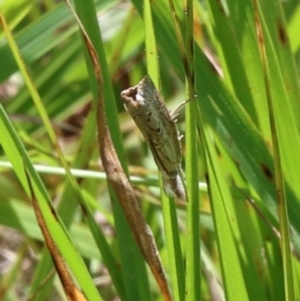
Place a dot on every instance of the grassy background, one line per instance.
(238, 237)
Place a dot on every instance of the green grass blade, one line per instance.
(224, 223)
(279, 179)
(127, 245)
(193, 243)
(19, 158)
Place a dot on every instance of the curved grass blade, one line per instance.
(119, 181)
(279, 179)
(17, 154)
(68, 284)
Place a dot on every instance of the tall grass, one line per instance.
(237, 237)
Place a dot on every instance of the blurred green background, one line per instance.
(238, 236)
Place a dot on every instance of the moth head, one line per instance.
(133, 97)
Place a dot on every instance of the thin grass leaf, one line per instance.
(18, 157)
(119, 181)
(193, 267)
(279, 180)
(69, 286)
(224, 221)
(169, 212)
(88, 16)
(234, 124)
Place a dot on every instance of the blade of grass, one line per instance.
(284, 89)
(234, 38)
(150, 44)
(74, 184)
(168, 207)
(239, 136)
(15, 12)
(127, 246)
(279, 179)
(66, 208)
(18, 157)
(193, 243)
(55, 25)
(293, 30)
(119, 180)
(224, 226)
(69, 286)
(256, 165)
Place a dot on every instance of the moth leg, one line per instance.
(175, 112)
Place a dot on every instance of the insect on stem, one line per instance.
(148, 110)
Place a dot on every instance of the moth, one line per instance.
(147, 108)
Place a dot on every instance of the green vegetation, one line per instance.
(237, 238)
